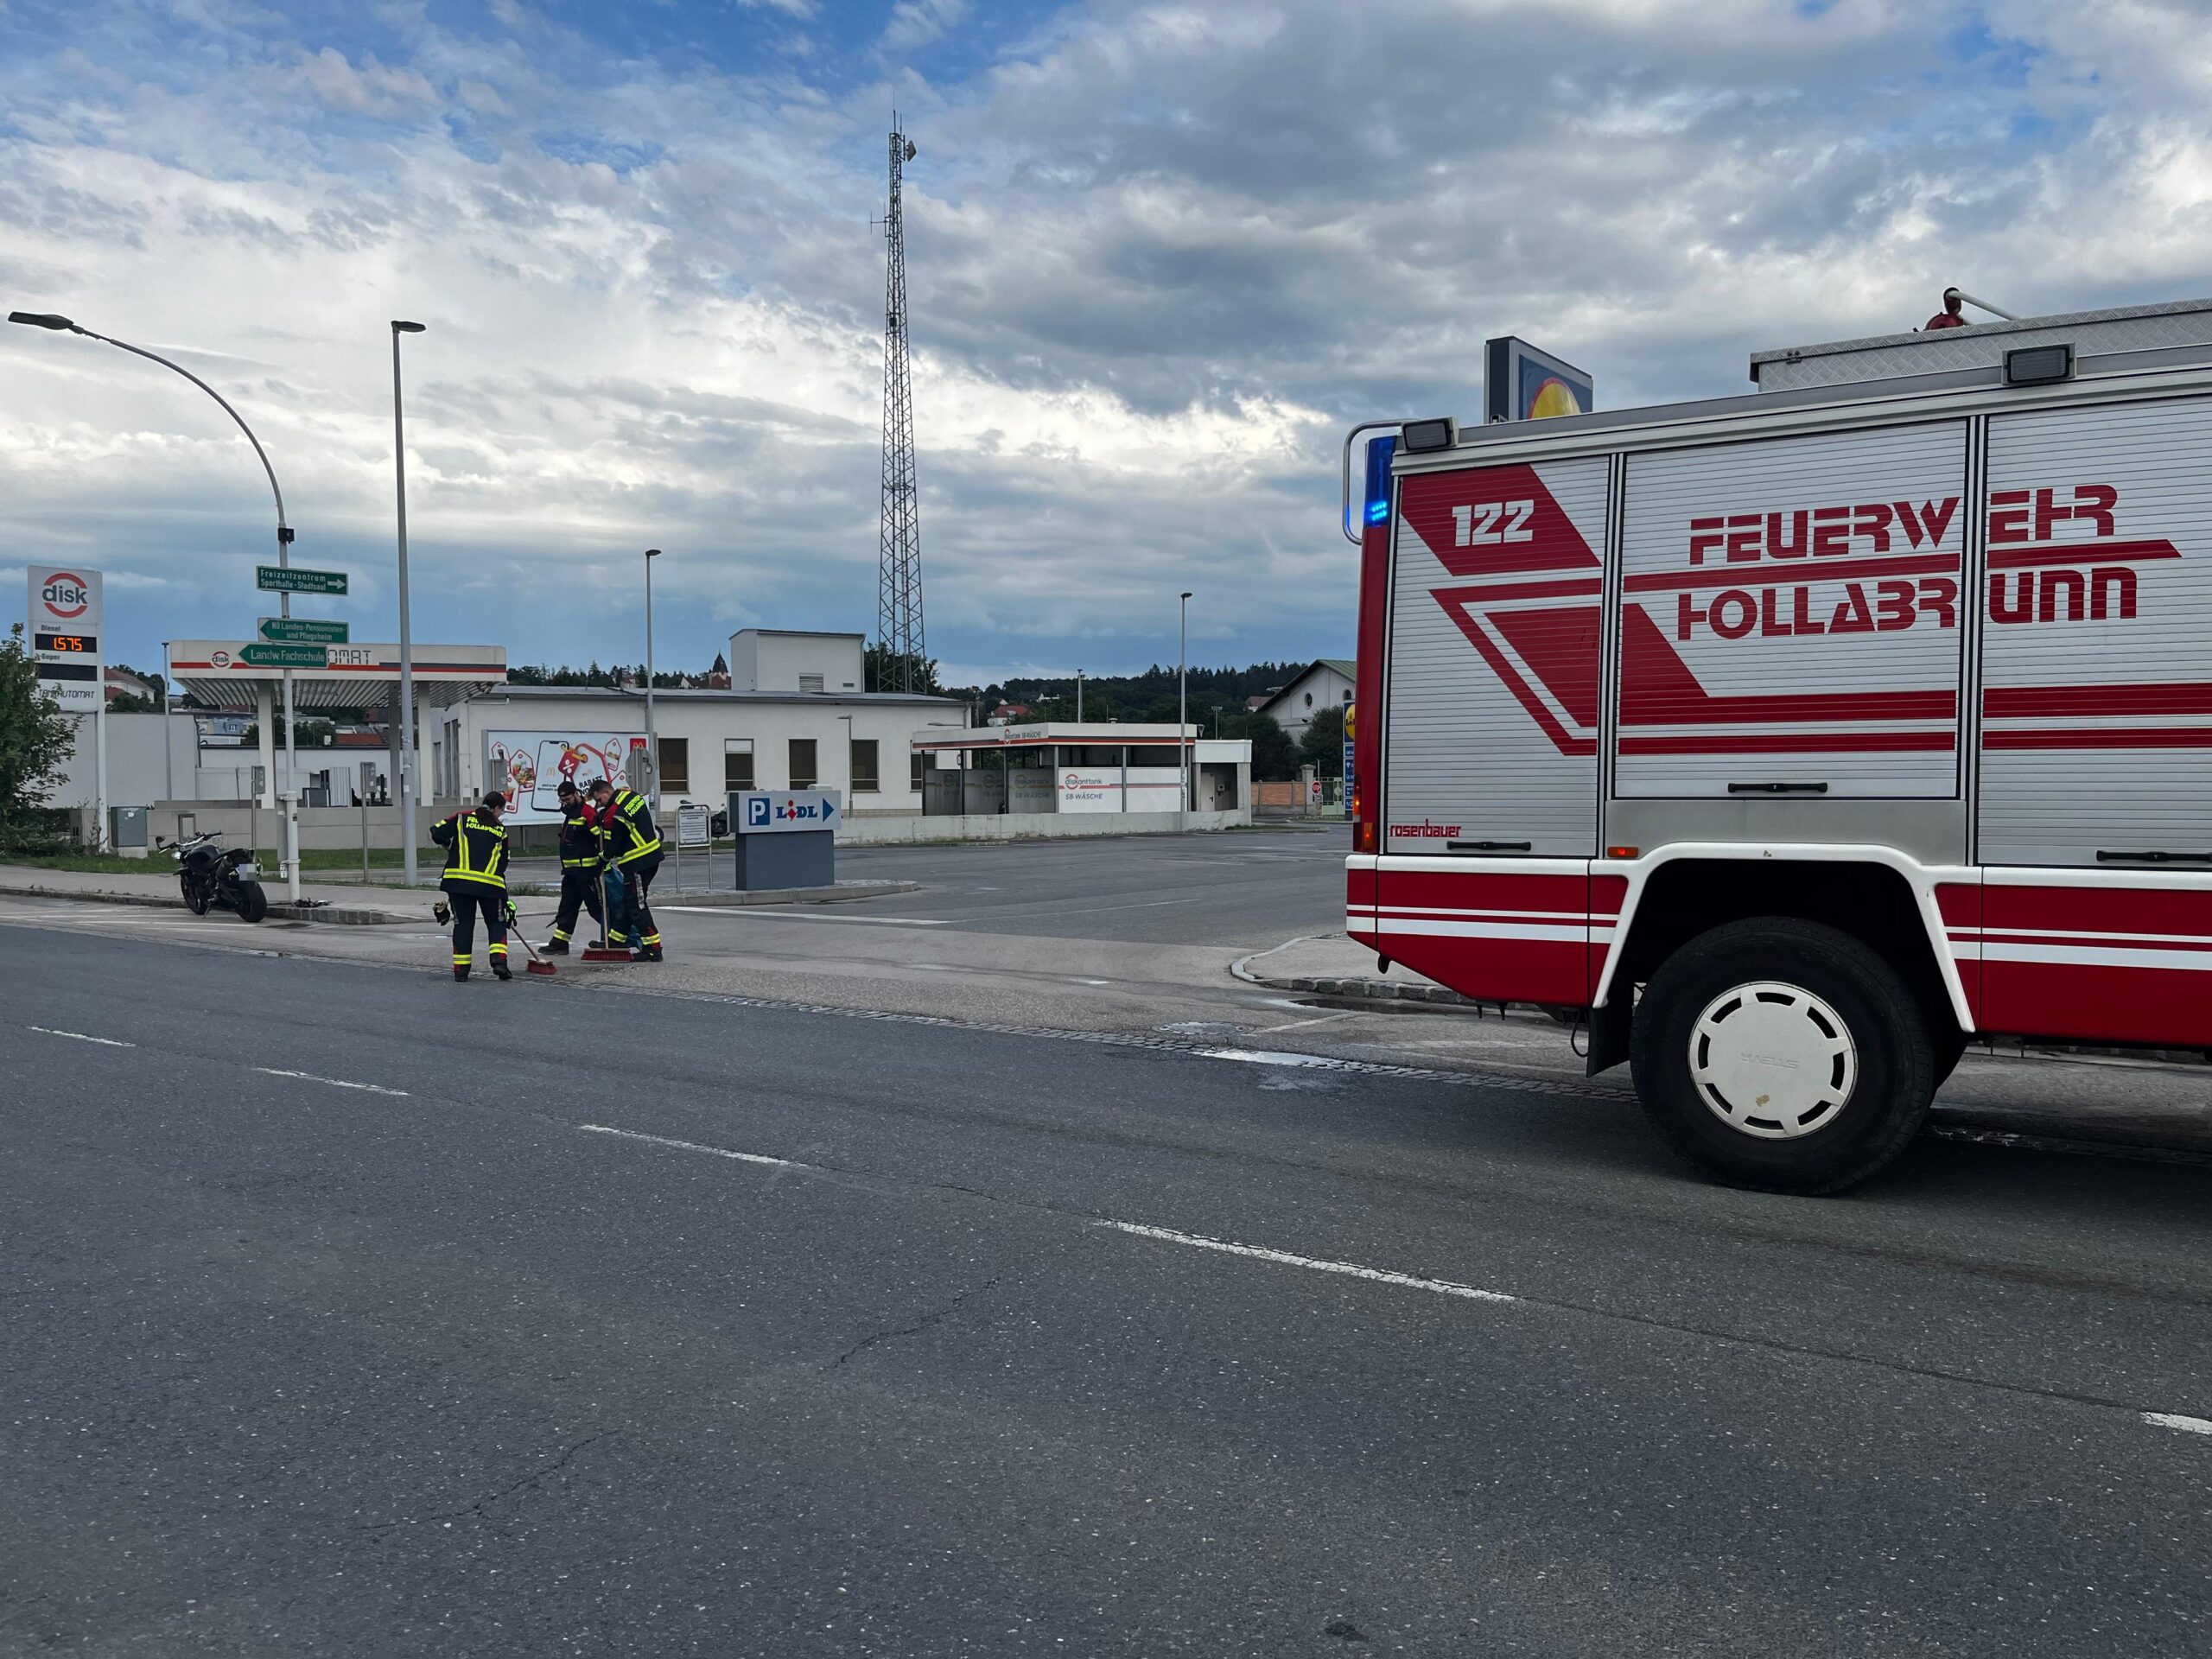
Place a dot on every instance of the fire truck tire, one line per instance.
(1783, 1055)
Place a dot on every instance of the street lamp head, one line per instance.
(1186, 595)
(41, 320)
(652, 552)
(399, 328)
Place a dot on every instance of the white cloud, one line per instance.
(916, 23)
(1160, 254)
(368, 88)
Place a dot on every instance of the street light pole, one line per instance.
(407, 783)
(1079, 696)
(1183, 714)
(60, 324)
(652, 740)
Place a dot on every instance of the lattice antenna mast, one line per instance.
(899, 576)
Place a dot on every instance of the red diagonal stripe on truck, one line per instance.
(1657, 689)
(1546, 537)
(1565, 741)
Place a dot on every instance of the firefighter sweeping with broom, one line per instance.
(633, 852)
(581, 864)
(476, 880)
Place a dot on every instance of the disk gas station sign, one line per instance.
(64, 611)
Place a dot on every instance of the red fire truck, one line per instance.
(1796, 738)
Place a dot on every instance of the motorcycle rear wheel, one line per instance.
(253, 902)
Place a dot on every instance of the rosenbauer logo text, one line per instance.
(1424, 831)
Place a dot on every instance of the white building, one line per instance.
(790, 659)
(1094, 777)
(795, 717)
(1327, 684)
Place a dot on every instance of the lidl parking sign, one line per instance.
(784, 812)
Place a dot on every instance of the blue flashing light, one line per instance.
(1380, 453)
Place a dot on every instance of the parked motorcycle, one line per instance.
(216, 877)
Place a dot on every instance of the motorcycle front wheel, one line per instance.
(196, 897)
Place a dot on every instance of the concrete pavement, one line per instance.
(354, 1313)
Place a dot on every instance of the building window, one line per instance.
(865, 780)
(1309, 699)
(675, 765)
(737, 763)
(915, 765)
(803, 771)
(810, 682)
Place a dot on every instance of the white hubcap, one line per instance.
(1772, 1060)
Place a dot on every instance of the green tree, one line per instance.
(131, 702)
(879, 661)
(1274, 760)
(35, 739)
(1323, 746)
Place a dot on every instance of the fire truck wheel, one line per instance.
(1783, 1055)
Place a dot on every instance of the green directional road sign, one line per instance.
(275, 578)
(303, 631)
(284, 656)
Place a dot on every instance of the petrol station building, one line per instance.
(1084, 774)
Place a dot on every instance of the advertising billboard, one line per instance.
(531, 766)
(1520, 383)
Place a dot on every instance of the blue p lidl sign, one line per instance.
(774, 811)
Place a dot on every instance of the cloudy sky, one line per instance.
(1160, 256)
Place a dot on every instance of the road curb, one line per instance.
(279, 910)
(1360, 986)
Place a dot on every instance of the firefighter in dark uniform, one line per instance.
(580, 863)
(633, 851)
(476, 880)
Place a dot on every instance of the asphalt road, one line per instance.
(351, 1312)
(1247, 889)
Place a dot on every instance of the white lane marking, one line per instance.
(82, 1037)
(334, 1083)
(2174, 1419)
(1101, 909)
(1352, 1270)
(1263, 1057)
(762, 913)
(693, 1146)
(1091, 982)
(1325, 1020)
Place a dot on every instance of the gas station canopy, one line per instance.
(214, 672)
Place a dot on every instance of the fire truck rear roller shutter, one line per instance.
(2097, 652)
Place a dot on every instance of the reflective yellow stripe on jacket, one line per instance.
(635, 840)
(478, 853)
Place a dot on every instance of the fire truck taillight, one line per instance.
(1623, 852)
(1363, 837)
